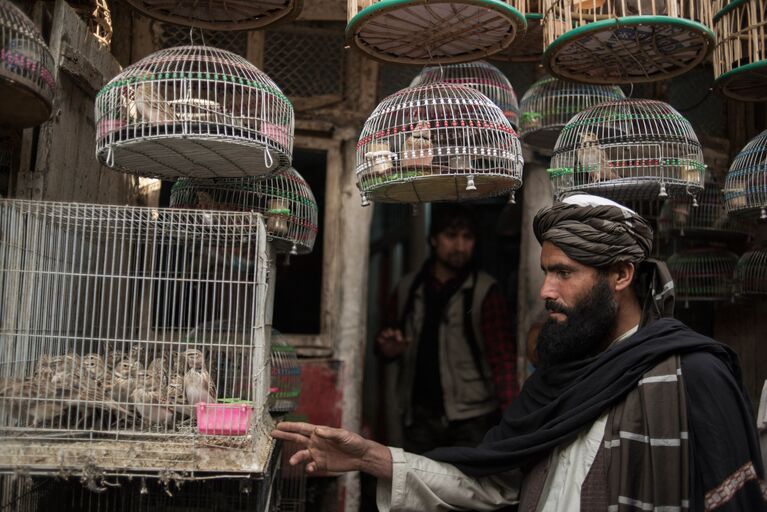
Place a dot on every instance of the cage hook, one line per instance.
(513, 197)
(294, 250)
(110, 157)
(365, 201)
(663, 194)
(763, 215)
(470, 186)
(268, 160)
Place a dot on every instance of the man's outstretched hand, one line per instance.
(329, 450)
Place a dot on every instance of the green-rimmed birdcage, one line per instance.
(220, 14)
(745, 187)
(629, 149)
(433, 31)
(702, 274)
(26, 70)
(196, 112)
(285, 199)
(740, 55)
(751, 273)
(437, 142)
(550, 103)
(528, 46)
(285, 384)
(479, 75)
(625, 41)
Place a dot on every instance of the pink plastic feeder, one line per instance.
(223, 419)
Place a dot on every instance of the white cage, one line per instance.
(132, 340)
(745, 186)
(630, 150)
(751, 273)
(702, 274)
(196, 112)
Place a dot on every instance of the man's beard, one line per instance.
(584, 331)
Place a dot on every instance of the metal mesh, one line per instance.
(286, 378)
(285, 199)
(745, 187)
(550, 103)
(480, 75)
(26, 70)
(437, 142)
(628, 149)
(702, 274)
(20, 494)
(625, 41)
(174, 35)
(197, 112)
(751, 273)
(740, 56)
(120, 323)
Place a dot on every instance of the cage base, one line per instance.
(745, 83)
(427, 189)
(18, 91)
(543, 139)
(635, 189)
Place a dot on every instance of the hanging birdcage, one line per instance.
(26, 70)
(702, 274)
(437, 142)
(625, 41)
(98, 17)
(528, 45)
(221, 14)
(629, 149)
(740, 55)
(285, 387)
(550, 103)
(285, 199)
(196, 112)
(133, 333)
(751, 273)
(429, 32)
(479, 75)
(745, 187)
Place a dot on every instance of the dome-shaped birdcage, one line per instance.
(26, 70)
(628, 149)
(751, 273)
(285, 199)
(479, 75)
(740, 56)
(625, 41)
(221, 14)
(702, 274)
(285, 387)
(194, 111)
(429, 31)
(745, 187)
(550, 103)
(437, 142)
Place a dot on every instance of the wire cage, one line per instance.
(195, 112)
(629, 149)
(429, 32)
(702, 274)
(625, 41)
(133, 333)
(745, 186)
(437, 142)
(740, 55)
(221, 14)
(286, 378)
(550, 103)
(751, 273)
(292, 483)
(26, 70)
(285, 200)
(98, 17)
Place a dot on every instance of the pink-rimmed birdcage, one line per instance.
(479, 75)
(285, 200)
(550, 103)
(194, 112)
(26, 70)
(437, 142)
(745, 186)
(751, 273)
(629, 149)
(625, 41)
(702, 274)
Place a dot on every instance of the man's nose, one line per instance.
(548, 289)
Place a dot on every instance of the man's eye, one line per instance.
(564, 274)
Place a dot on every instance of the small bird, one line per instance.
(150, 104)
(415, 149)
(66, 372)
(194, 358)
(149, 405)
(592, 159)
(95, 367)
(124, 380)
(198, 387)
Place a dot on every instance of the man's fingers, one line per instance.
(296, 427)
(300, 457)
(333, 434)
(290, 436)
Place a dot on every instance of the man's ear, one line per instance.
(623, 274)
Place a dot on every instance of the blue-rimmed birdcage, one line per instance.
(702, 274)
(197, 112)
(745, 187)
(221, 14)
(751, 273)
(629, 149)
(285, 384)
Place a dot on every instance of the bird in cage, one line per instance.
(592, 159)
(136, 354)
(158, 368)
(416, 149)
(198, 385)
(150, 106)
(95, 367)
(124, 380)
(32, 400)
(66, 372)
(149, 405)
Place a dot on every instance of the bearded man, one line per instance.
(627, 411)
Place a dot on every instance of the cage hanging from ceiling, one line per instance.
(429, 32)
(745, 186)
(26, 70)
(196, 112)
(550, 103)
(625, 41)
(285, 386)
(285, 199)
(702, 274)
(220, 14)
(740, 55)
(628, 150)
(437, 142)
(479, 75)
(751, 273)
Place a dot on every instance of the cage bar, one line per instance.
(751, 273)
(745, 186)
